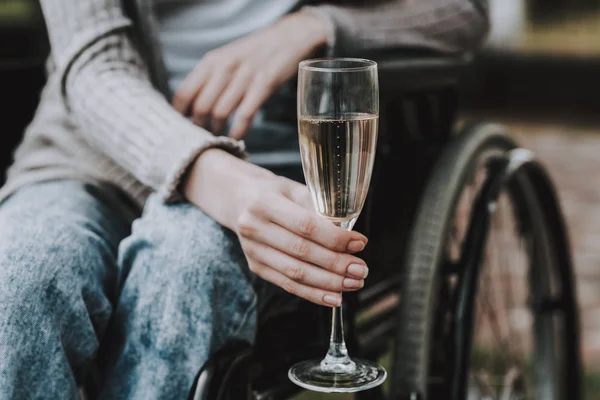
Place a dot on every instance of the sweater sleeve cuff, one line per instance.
(175, 155)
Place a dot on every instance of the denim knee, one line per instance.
(41, 271)
(179, 253)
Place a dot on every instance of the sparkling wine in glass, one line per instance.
(338, 112)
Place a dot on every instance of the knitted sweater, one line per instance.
(104, 115)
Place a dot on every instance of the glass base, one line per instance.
(315, 375)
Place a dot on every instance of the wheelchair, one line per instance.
(471, 292)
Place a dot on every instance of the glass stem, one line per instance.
(337, 345)
(337, 355)
(337, 359)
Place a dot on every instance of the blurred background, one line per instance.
(539, 73)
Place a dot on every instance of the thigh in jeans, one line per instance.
(58, 270)
(186, 290)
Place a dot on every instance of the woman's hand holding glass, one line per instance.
(283, 238)
(289, 245)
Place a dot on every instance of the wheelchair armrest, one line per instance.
(410, 71)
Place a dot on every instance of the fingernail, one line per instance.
(355, 246)
(362, 237)
(332, 300)
(357, 270)
(350, 283)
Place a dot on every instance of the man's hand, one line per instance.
(242, 75)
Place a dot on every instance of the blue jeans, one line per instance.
(89, 284)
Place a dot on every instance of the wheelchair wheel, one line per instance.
(488, 306)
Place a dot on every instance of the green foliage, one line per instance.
(18, 12)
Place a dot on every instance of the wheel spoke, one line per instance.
(497, 300)
(523, 264)
(494, 260)
(506, 257)
(493, 319)
(505, 347)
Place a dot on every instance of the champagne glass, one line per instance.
(338, 112)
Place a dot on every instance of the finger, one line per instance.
(206, 98)
(299, 194)
(189, 89)
(300, 271)
(310, 226)
(230, 99)
(276, 237)
(314, 295)
(257, 94)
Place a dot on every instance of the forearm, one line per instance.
(106, 87)
(442, 25)
(122, 115)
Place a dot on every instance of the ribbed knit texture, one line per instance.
(101, 119)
